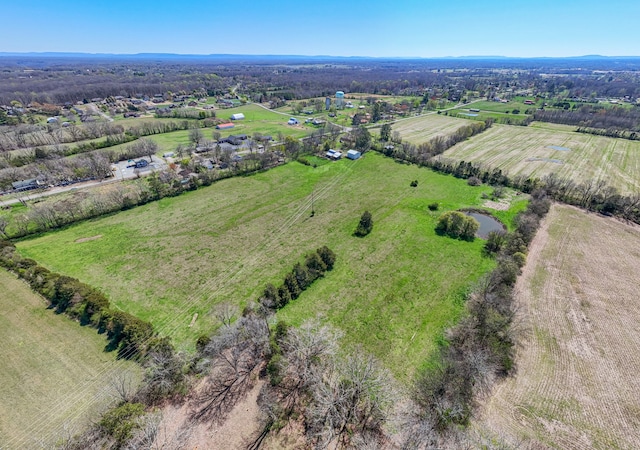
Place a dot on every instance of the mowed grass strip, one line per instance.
(525, 150)
(52, 369)
(418, 130)
(392, 292)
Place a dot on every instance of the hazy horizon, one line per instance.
(372, 29)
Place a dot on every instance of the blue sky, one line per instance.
(423, 28)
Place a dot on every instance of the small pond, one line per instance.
(487, 224)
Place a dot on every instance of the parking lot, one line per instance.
(126, 169)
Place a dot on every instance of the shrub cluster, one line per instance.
(457, 225)
(365, 225)
(299, 279)
(67, 295)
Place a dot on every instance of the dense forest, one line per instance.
(60, 79)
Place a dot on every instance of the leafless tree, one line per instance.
(235, 354)
(305, 349)
(225, 313)
(352, 397)
(3, 226)
(153, 434)
(124, 386)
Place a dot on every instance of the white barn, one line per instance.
(237, 116)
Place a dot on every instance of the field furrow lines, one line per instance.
(527, 151)
(576, 385)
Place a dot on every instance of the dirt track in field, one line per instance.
(577, 384)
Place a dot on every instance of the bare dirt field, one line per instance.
(577, 383)
(543, 148)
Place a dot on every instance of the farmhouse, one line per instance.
(237, 116)
(353, 154)
(233, 140)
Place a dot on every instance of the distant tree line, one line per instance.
(611, 132)
(39, 145)
(592, 117)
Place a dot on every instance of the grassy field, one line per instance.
(417, 130)
(261, 120)
(52, 370)
(577, 382)
(525, 150)
(392, 291)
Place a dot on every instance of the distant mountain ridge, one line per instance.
(275, 56)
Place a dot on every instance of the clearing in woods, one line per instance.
(577, 383)
(52, 370)
(526, 150)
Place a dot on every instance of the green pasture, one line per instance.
(393, 292)
(55, 374)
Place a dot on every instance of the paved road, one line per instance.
(97, 110)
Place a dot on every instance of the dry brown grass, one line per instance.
(577, 384)
(525, 150)
(418, 130)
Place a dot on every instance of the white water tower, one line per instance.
(339, 99)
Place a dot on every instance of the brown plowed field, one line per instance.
(578, 379)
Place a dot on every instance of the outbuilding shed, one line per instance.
(334, 154)
(353, 154)
(237, 116)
